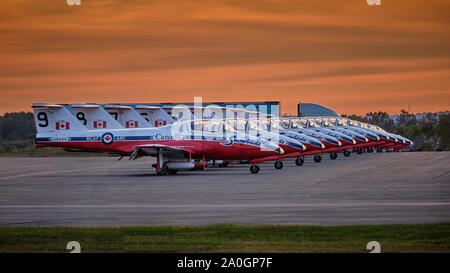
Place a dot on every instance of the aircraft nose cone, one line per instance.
(349, 139)
(317, 143)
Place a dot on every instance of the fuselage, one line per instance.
(123, 141)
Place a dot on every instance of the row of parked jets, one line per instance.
(182, 140)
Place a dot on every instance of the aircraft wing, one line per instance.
(152, 149)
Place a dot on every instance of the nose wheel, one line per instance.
(317, 158)
(346, 153)
(333, 155)
(299, 161)
(254, 169)
(278, 165)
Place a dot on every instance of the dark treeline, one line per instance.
(431, 132)
(17, 134)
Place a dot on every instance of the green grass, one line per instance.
(230, 238)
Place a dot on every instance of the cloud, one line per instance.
(330, 52)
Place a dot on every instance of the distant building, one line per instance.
(427, 117)
(271, 108)
(315, 110)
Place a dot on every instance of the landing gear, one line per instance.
(173, 171)
(163, 170)
(359, 150)
(317, 158)
(333, 155)
(299, 161)
(346, 153)
(254, 169)
(278, 165)
(370, 149)
(223, 165)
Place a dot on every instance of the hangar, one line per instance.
(265, 107)
(306, 109)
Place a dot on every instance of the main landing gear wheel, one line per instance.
(346, 153)
(299, 161)
(359, 150)
(254, 169)
(163, 170)
(317, 158)
(278, 165)
(333, 155)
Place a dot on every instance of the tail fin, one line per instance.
(94, 117)
(127, 116)
(55, 118)
(154, 115)
(179, 113)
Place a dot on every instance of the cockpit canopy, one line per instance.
(299, 123)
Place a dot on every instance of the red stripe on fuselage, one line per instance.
(211, 149)
(328, 144)
(310, 147)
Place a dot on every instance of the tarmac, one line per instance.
(378, 188)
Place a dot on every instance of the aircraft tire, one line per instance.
(359, 150)
(163, 170)
(333, 155)
(254, 169)
(173, 171)
(317, 158)
(346, 153)
(278, 165)
(299, 161)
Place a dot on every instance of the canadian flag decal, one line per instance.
(62, 125)
(159, 123)
(132, 124)
(99, 124)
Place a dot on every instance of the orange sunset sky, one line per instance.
(345, 54)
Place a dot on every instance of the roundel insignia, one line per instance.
(107, 138)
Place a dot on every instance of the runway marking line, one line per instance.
(234, 205)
